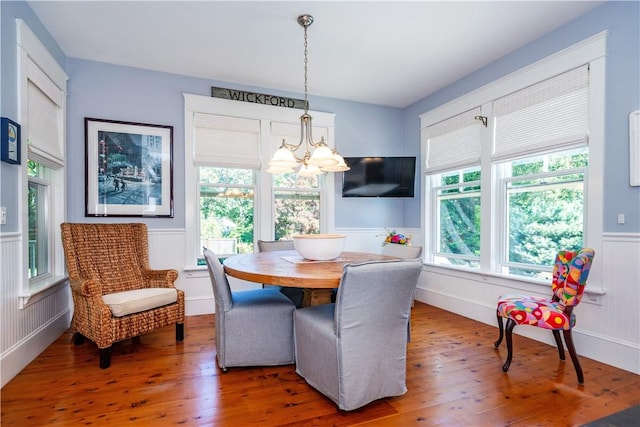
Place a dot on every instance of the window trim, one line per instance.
(29, 48)
(590, 51)
(264, 190)
(502, 179)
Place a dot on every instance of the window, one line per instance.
(457, 196)
(296, 199)
(227, 209)
(453, 172)
(508, 167)
(236, 202)
(541, 189)
(544, 207)
(296, 205)
(42, 95)
(38, 200)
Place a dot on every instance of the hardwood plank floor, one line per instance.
(454, 378)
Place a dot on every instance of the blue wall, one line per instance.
(121, 93)
(9, 174)
(622, 20)
(114, 92)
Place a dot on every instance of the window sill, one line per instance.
(195, 271)
(42, 289)
(521, 284)
(200, 269)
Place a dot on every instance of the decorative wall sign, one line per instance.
(128, 169)
(10, 148)
(256, 98)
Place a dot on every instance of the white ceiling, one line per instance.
(389, 53)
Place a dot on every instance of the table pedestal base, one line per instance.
(316, 297)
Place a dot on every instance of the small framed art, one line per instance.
(128, 169)
(10, 149)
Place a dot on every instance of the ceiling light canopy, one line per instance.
(318, 157)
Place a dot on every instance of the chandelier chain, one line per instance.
(306, 102)
(318, 157)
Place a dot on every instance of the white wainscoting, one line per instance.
(607, 330)
(27, 331)
(167, 249)
(370, 239)
(197, 284)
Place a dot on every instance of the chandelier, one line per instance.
(318, 157)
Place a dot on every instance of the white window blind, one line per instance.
(552, 113)
(291, 134)
(45, 103)
(225, 141)
(454, 142)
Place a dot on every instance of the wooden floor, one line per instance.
(454, 378)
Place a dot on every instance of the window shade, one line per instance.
(552, 113)
(45, 103)
(454, 142)
(225, 141)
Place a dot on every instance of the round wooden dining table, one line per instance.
(287, 268)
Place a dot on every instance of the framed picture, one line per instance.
(10, 148)
(128, 169)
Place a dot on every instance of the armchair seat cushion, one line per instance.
(137, 300)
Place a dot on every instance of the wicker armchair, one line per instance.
(116, 295)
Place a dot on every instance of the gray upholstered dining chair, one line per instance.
(354, 350)
(254, 327)
(294, 294)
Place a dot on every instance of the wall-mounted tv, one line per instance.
(379, 177)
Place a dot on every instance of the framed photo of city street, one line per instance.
(128, 169)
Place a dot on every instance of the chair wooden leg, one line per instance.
(78, 338)
(179, 332)
(501, 328)
(556, 335)
(509, 329)
(105, 357)
(574, 356)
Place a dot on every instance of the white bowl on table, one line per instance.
(319, 247)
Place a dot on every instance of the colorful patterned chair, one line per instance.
(569, 279)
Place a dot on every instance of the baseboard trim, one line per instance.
(618, 353)
(200, 305)
(26, 350)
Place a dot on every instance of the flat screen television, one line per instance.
(379, 177)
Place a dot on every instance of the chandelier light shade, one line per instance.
(318, 157)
